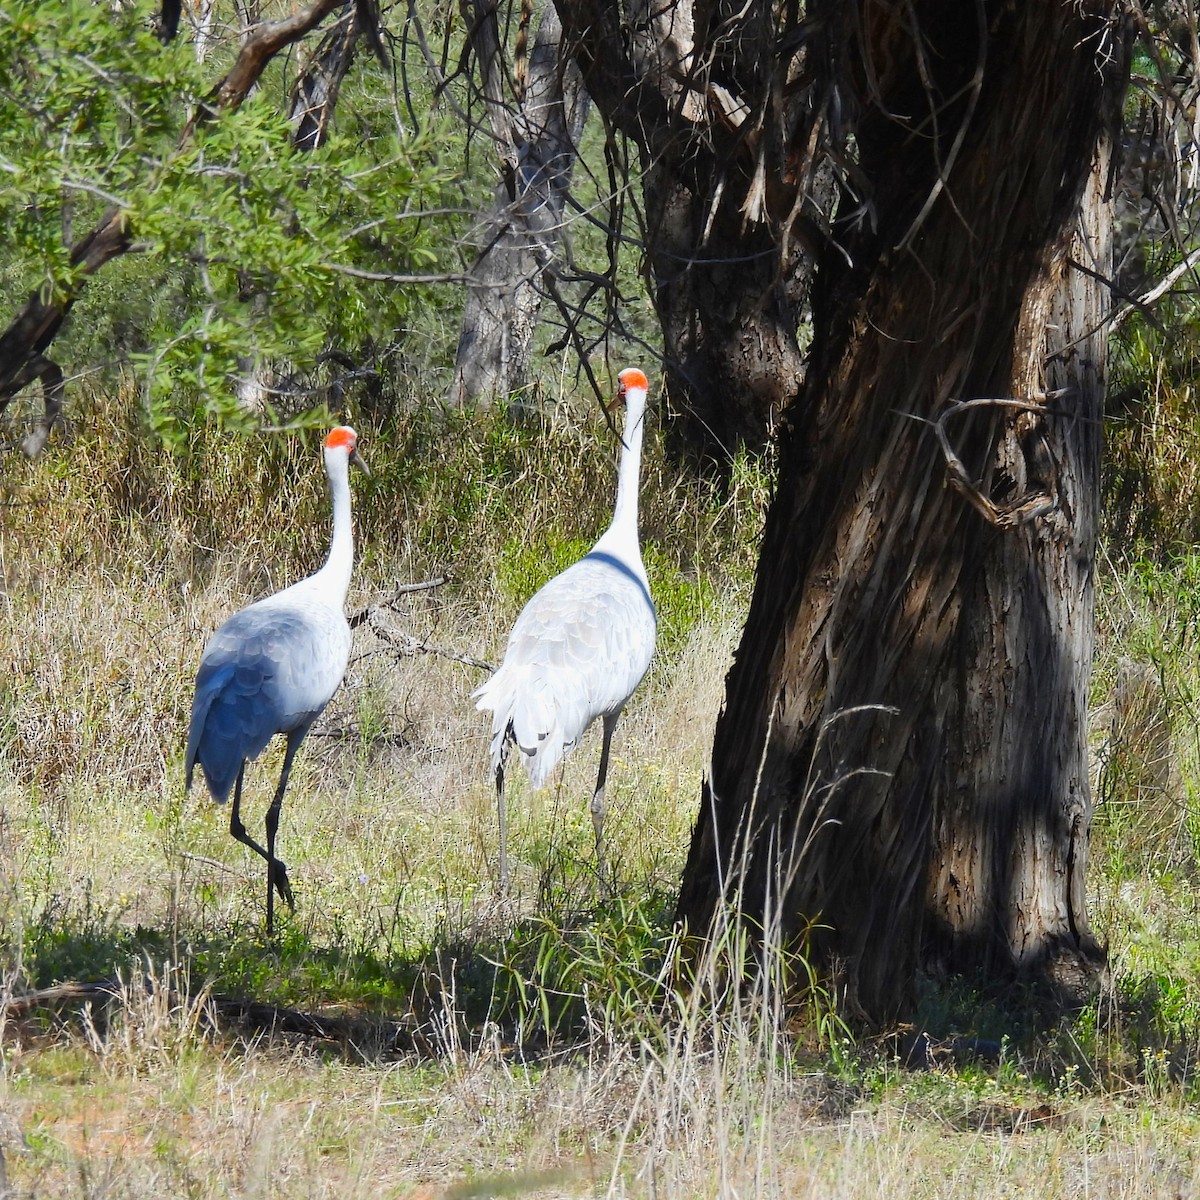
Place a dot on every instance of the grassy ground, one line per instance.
(456, 1047)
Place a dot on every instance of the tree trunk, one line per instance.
(310, 113)
(537, 134)
(900, 771)
(29, 335)
(725, 104)
(315, 92)
(729, 311)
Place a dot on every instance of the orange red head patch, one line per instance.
(631, 377)
(343, 436)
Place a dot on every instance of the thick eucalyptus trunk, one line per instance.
(900, 773)
(729, 315)
(1006, 884)
(715, 100)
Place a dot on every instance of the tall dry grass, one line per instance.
(564, 1048)
(120, 556)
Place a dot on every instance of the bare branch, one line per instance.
(388, 277)
(1143, 302)
(1025, 508)
(408, 646)
(402, 589)
(266, 40)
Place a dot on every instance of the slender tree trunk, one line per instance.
(900, 769)
(315, 92)
(538, 134)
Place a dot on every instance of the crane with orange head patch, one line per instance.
(272, 668)
(581, 644)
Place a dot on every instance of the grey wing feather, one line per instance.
(578, 650)
(267, 670)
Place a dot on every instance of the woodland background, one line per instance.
(405, 1036)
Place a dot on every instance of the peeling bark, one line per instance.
(315, 92)
(901, 759)
(725, 104)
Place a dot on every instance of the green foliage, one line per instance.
(525, 564)
(89, 97)
(278, 224)
(611, 973)
(1152, 465)
(249, 244)
(681, 600)
(1148, 683)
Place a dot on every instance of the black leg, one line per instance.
(610, 723)
(502, 818)
(236, 828)
(276, 872)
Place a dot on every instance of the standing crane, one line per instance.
(272, 668)
(580, 646)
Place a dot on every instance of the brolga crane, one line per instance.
(271, 668)
(580, 646)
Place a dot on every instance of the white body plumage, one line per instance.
(578, 651)
(581, 644)
(272, 668)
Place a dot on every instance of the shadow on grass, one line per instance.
(540, 989)
(523, 987)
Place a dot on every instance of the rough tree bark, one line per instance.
(720, 100)
(901, 757)
(536, 119)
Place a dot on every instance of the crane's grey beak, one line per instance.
(618, 401)
(357, 461)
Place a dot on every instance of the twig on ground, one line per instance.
(396, 1033)
(211, 862)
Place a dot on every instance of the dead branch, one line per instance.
(397, 1034)
(402, 589)
(266, 40)
(1029, 505)
(315, 92)
(408, 646)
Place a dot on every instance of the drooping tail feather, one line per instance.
(523, 709)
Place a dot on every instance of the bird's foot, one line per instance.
(279, 877)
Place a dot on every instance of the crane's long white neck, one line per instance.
(623, 532)
(334, 577)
